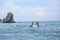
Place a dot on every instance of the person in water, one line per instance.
(35, 24)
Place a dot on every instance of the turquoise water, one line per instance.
(48, 30)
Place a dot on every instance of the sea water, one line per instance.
(48, 30)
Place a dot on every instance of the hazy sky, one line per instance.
(31, 10)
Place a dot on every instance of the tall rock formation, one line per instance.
(8, 19)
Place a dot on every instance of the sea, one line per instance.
(48, 30)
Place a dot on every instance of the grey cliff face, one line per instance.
(1, 20)
(8, 19)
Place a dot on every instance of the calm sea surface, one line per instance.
(48, 30)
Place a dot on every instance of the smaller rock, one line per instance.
(35, 24)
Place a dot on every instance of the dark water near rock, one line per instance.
(48, 30)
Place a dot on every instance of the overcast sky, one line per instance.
(31, 10)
